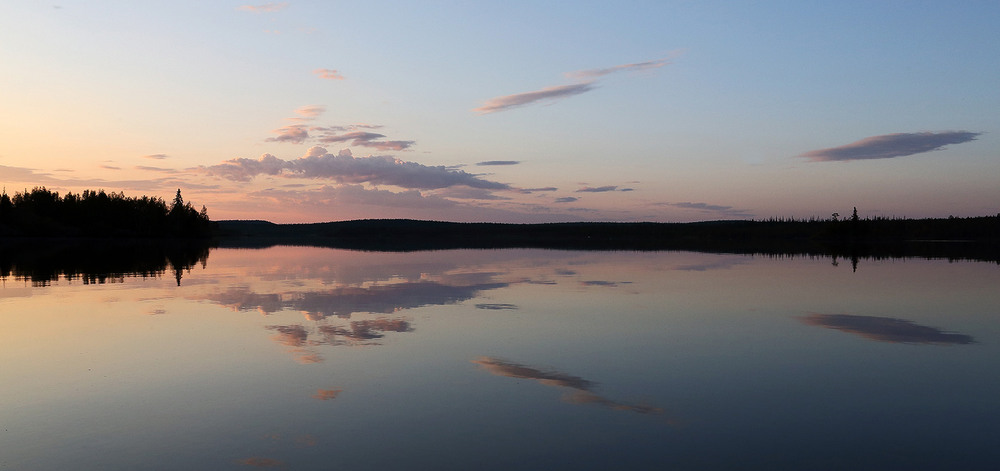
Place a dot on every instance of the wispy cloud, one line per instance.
(701, 206)
(528, 191)
(466, 193)
(520, 99)
(329, 74)
(567, 199)
(499, 162)
(155, 169)
(310, 111)
(264, 8)
(586, 80)
(356, 134)
(727, 211)
(594, 73)
(345, 168)
(294, 133)
(891, 145)
(599, 189)
(156, 156)
(367, 139)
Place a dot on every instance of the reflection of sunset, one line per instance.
(702, 341)
(887, 329)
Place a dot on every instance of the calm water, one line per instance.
(311, 358)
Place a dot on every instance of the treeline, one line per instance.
(767, 236)
(44, 213)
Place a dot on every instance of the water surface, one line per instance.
(313, 358)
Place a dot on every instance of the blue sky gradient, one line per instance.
(305, 111)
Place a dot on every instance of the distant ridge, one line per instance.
(765, 236)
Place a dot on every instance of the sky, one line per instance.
(514, 111)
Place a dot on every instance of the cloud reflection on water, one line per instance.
(887, 329)
(582, 393)
(344, 301)
(300, 339)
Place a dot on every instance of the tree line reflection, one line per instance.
(98, 262)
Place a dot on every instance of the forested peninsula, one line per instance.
(97, 214)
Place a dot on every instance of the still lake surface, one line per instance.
(315, 358)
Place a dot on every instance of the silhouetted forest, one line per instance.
(975, 238)
(403, 233)
(44, 213)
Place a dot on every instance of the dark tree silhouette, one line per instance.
(43, 213)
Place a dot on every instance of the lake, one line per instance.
(315, 358)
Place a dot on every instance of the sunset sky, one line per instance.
(514, 111)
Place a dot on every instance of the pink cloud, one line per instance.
(329, 74)
(310, 111)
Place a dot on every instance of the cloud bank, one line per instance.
(345, 168)
(891, 145)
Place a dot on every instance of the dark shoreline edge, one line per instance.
(952, 238)
(99, 260)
